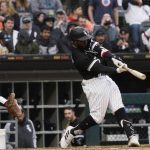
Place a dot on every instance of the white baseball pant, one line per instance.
(102, 93)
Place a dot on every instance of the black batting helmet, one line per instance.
(79, 34)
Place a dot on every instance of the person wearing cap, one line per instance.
(27, 25)
(90, 59)
(123, 43)
(55, 32)
(101, 37)
(38, 21)
(25, 44)
(49, 21)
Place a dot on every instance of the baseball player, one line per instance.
(26, 131)
(101, 91)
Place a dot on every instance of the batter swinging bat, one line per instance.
(136, 73)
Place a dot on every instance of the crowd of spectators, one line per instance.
(43, 26)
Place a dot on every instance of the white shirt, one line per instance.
(137, 14)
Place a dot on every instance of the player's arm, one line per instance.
(85, 62)
(97, 67)
(105, 53)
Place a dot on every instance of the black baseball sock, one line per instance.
(122, 119)
(85, 124)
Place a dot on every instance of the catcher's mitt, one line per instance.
(13, 107)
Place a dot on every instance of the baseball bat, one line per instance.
(136, 73)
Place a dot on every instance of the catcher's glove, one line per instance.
(12, 106)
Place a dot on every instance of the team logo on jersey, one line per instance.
(105, 2)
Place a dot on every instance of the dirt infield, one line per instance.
(143, 147)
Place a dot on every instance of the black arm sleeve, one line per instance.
(106, 54)
(125, 4)
(99, 68)
(102, 52)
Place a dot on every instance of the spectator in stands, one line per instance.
(135, 14)
(49, 21)
(3, 48)
(38, 21)
(27, 25)
(72, 119)
(75, 13)
(146, 40)
(123, 43)
(97, 8)
(61, 20)
(55, 32)
(47, 44)
(68, 5)
(65, 42)
(101, 37)
(107, 24)
(49, 7)
(84, 22)
(10, 35)
(25, 44)
(7, 9)
(119, 3)
(23, 7)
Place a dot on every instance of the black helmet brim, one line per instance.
(84, 38)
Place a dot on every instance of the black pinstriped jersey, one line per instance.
(89, 62)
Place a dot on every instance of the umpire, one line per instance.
(101, 91)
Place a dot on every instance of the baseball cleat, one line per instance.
(66, 138)
(133, 141)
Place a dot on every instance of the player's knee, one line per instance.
(98, 120)
(120, 114)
